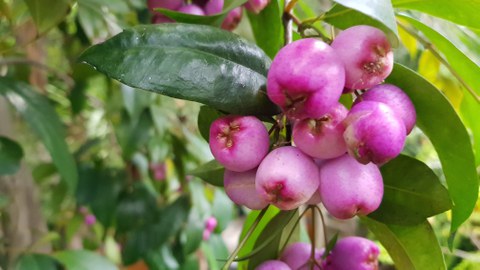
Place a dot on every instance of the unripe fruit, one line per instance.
(273, 265)
(396, 99)
(353, 253)
(239, 142)
(240, 188)
(349, 188)
(233, 19)
(213, 7)
(367, 56)
(167, 4)
(374, 133)
(256, 6)
(298, 254)
(287, 178)
(322, 138)
(192, 9)
(306, 79)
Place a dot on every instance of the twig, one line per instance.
(287, 21)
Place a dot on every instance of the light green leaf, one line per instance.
(35, 262)
(83, 260)
(47, 13)
(11, 154)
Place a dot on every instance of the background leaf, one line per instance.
(83, 260)
(35, 262)
(42, 119)
(47, 13)
(438, 120)
(206, 116)
(167, 59)
(412, 192)
(11, 154)
(210, 172)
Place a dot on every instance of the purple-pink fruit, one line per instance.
(256, 6)
(167, 4)
(323, 137)
(287, 178)
(367, 56)
(160, 18)
(297, 255)
(396, 99)
(373, 132)
(213, 7)
(306, 79)
(232, 19)
(273, 265)
(353, 253)
(192, 9)
(239, 142)
(211, 223)
(349, 188)
(240, 188)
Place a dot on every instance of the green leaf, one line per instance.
(461, 63)
(214, 20)
(206, 116)
(167, 59)
(267, 27)
(462, 12)
(438, 120)
(11, 154)
(42, 119)
(47, 13)
(377, 13)
(210, 172)
(411, 247)
(83, 260)
(35, 262)
(412, 192)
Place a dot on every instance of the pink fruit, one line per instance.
(211, 223)
(167, 4)
(374, 133)
(306, 79)
(297, 256)
(273, 265)
(206, 234)
(159, 171)
(353, 253)
(349, 188)
(192, 9)
(367, 56)
(90, 219)
(287, 178)
(396, 99)
(256, 6)
(213, 7)
(240, 188)
(239, 142)
(233, 19)
(323, 137)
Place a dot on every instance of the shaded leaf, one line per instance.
(83, 260)
(47, 13)
(11, 154)
(206, 116)
(210, 172)
(35, 262)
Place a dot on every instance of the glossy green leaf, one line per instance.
(206, 116)
(11, 154)
(210, 172)
(438, 120)
(192, 62)
(47, 13)
(83, 260)
(214, 19)
(464, 12)
(411, 247)
(35, 262)
(44, 121)
(412, 192)
(461, 63)
(377, 13)
(267, 27)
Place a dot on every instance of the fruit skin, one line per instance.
(353, 253)
(211, 223)
(273, 265)
(296, 255)
(167, 4)
(160, 18)
(240, 188)
(367, 56)
(373, 133)
(322, 138)
(192, 9)
(239, 142)
(306, 79)
(396, 99)
(287, 178)
(213, 7)
(232, 19)
(256, 6)
(349, 188)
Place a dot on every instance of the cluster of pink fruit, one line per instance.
(204, 8)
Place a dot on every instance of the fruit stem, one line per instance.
(287, 21)
(293, 229)
(323, 225)
(312, 254)
(232, 256)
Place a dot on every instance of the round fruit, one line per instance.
(297, 255)
(353, 253)
(240, 188)
(256, 6)
(233, 19)
(192, 9)
(213, 7)
(167, 4)
(273, 265)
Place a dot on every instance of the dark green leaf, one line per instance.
(206, 116)
(132, 133)
(267, 27)
(35, 262)
(43, 119)
(210, 172)
(47, 13)
(192, 62)
(83, 260)
(412, 193)
(411, 247)
(464, 12)
(438, 120)
(377, 13)
(330, 245)
(11, 154)
(161, 259)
